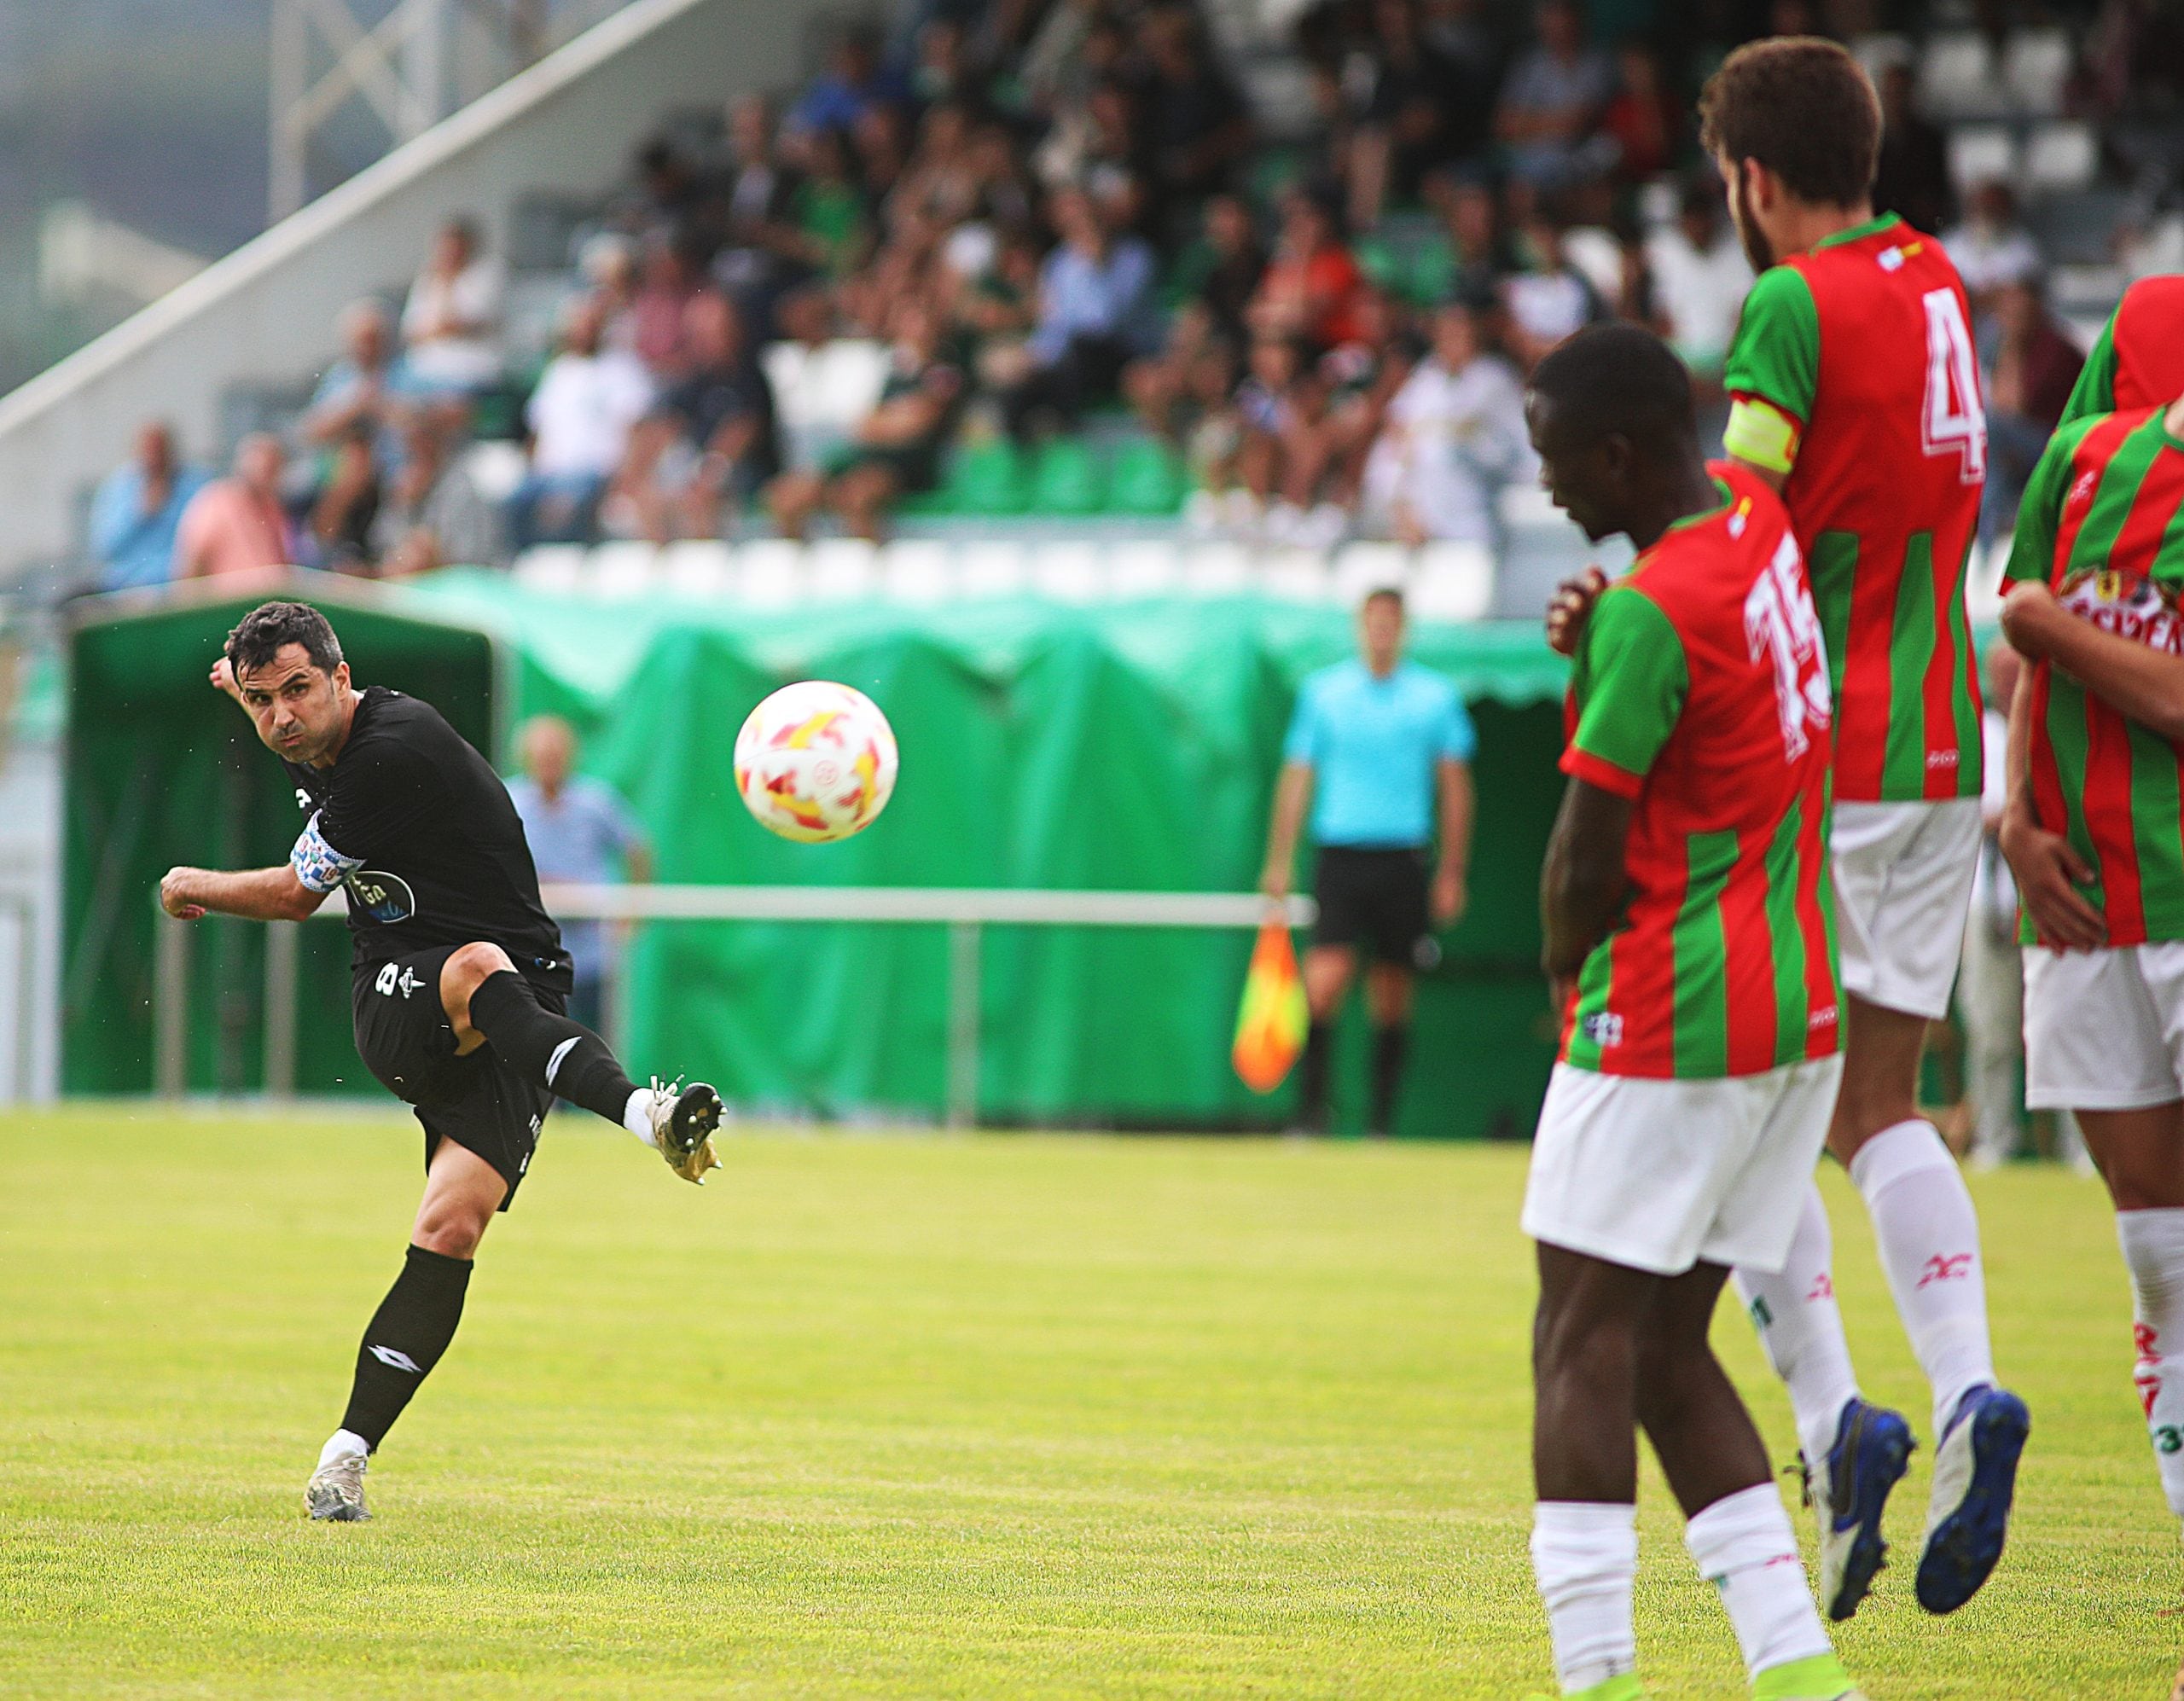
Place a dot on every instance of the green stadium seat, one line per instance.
(1067, 478)
(988, 477)
(1148, 477)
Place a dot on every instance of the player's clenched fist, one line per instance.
(174, 895)
(223, 676)
(1569, 607)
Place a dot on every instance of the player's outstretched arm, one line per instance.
(1584, 880)
(254, 894)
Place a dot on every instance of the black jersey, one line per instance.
(417, 828)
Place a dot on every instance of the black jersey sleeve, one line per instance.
(382, 791)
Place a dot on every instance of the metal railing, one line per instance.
(965, 911)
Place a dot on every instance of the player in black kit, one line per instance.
(459, 989)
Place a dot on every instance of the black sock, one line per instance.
(552, 1050)
(1312, 1077)
(1389, 1045)
(404, 1340)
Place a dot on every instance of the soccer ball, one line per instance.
(815, 762)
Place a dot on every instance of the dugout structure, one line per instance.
(1123, 746)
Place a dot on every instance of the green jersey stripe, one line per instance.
(1962, 703)
(1584, 1052)
(1834, 556)
(1700, 945)
(2066, 734)
(2154, 825)
(1910, 653)
(1787, 937)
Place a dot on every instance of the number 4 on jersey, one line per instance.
(1954, 419)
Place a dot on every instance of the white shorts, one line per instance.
(1902, 885)
(1663, 1175)
(2104, 1031)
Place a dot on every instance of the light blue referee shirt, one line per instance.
(1373, 747)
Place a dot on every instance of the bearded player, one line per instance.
(1685, 907)
(459, 982)
(2096, 764)
(1856, 393)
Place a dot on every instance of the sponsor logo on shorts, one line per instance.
(397, 1361)
(389, 982)
(1604, 1028)
(386, 898)
(1823, 1288)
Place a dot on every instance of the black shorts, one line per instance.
(1376, 899)
(407, 1041)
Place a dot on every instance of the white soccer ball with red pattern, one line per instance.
(815, 762)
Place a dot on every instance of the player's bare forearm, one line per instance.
(1583, 882)
(2050, 874)
(1453, 875)
(2139, 683)
(254, 894)
(1292, 793)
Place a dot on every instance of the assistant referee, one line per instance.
(1379, 747)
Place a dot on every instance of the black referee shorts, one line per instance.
(1376, 900)
(407, 1041)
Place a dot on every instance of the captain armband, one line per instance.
(318, 864)
(1761, 434)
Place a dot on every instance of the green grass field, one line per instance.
(918, 1417)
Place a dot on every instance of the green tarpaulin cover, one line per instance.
(1128, 745)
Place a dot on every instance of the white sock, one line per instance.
(1801, 1326)
(1585, 1554)
(340, 1445)
(1929, 1237)
(2154, 1250)
(1743, 1546)
(637, 1114)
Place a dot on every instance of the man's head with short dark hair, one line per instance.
(1610, 412)
(1380, 622)
(1800, 110)
(268, 627)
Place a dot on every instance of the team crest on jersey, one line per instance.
(2129, 605)
(1782, 627)
(1604, 1028)
(385, 897)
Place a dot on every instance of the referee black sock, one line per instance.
(1390, 1045)
(1312, 1077)
(404, 1340)
(552, 1050)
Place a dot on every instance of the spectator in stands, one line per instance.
(362, 388)
(667, 284)
(1700, 276)
(2032, 367)
(1642, 119)
(1411, 118)
(431, 511)
(1095, 312)
(1221, 270)
(1454, 436)
(138, 509)
(336, 534)
(832, 230)
(1552, 101)
(1362, 377)
(1160, 387)
(451, 323)
(897, 449)
(854, 79)
(581, 833)
(1309, 289)
(1199, 128)
(236, 525)
(580, 417)
(1380, 751)
(1912, 179)
(1467, 258)
(757, 254)
(668, 202)
(1992, 247)
(1547, 298)
(1288, 443)
(711, 443)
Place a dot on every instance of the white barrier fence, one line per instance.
(966, 913)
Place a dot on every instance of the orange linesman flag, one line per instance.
(1270, 1024)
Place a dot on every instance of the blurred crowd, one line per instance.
(1046, 218)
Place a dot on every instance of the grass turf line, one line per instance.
(1003, 1416)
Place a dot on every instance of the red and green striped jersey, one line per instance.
(2138, 360)
(1859, 352)
(1700, 692)
(2102, 522)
